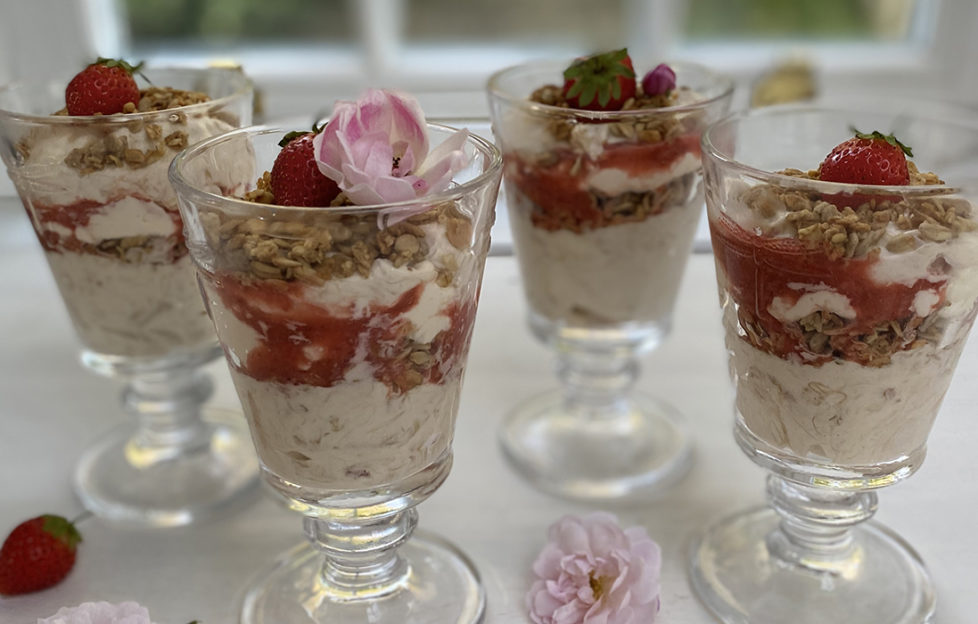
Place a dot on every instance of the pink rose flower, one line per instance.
(592, 572)
(100, 613)
(376, 150)
(660, 80)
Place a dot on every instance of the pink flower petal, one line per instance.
(376, 150)
(625, 563)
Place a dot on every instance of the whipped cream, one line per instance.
(128, 309)
(841, 413)
(351, 436)
(611, 181)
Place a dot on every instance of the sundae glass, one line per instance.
(847, 292)
(603, 206)
(346, 325)
(95, 188)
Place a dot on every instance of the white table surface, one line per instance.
(50, 409)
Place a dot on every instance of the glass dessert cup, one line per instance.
(346, 330)
(97, 194)
(603, 208)
(845, 309)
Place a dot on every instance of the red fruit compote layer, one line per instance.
(107, 218)
(603, 212)
(843, 322)
(346, 340)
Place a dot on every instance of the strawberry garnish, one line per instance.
(873, 159)
(296, 179)
(102, 88)
(603, 82)
(37, 554)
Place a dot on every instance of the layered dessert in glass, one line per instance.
(98, 197)
(343, 286)
(89, 161)
(604, 193)
(845, 262)
(603, 211)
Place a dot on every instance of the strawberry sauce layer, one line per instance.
(560, 190)
(79, 215)
(302, 343)
(760, 269)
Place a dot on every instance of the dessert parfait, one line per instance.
(89, 162)
(845, 312)
(343, 286)
(93, 179)
(847, 293)
(603, 183)
(346, 331)
(604, 191)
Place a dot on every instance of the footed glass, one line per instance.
(346, 330)
(96, 191)
(603, 207)
(845, 309)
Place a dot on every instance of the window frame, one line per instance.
(932, 64)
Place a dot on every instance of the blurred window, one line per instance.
(831, 20)
(158, 24)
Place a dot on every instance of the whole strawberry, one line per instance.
(873, 158)
(37, 554)
(603, 82)
(102, 88)
(296, 179)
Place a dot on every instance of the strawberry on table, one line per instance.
(102, 88)
(603, 82)
(295, 178)
(37, 554)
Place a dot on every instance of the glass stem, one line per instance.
(167, 407)
(361, 561)
(816, 525)
(597, 382)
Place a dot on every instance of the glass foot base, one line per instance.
(634, 454)
(734, 575)
(121, 483)
(442, 586)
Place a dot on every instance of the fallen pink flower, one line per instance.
(593, 572)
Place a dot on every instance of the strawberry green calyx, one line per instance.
(889, 138)
(62, 529)
(292, 136)
(110, 62)
(598, 77)
(295, 134)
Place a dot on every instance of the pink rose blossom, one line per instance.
(100, 613)
(592, 572)
(376, 150)
(660, 80)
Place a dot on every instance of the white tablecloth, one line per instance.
(50, 409)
